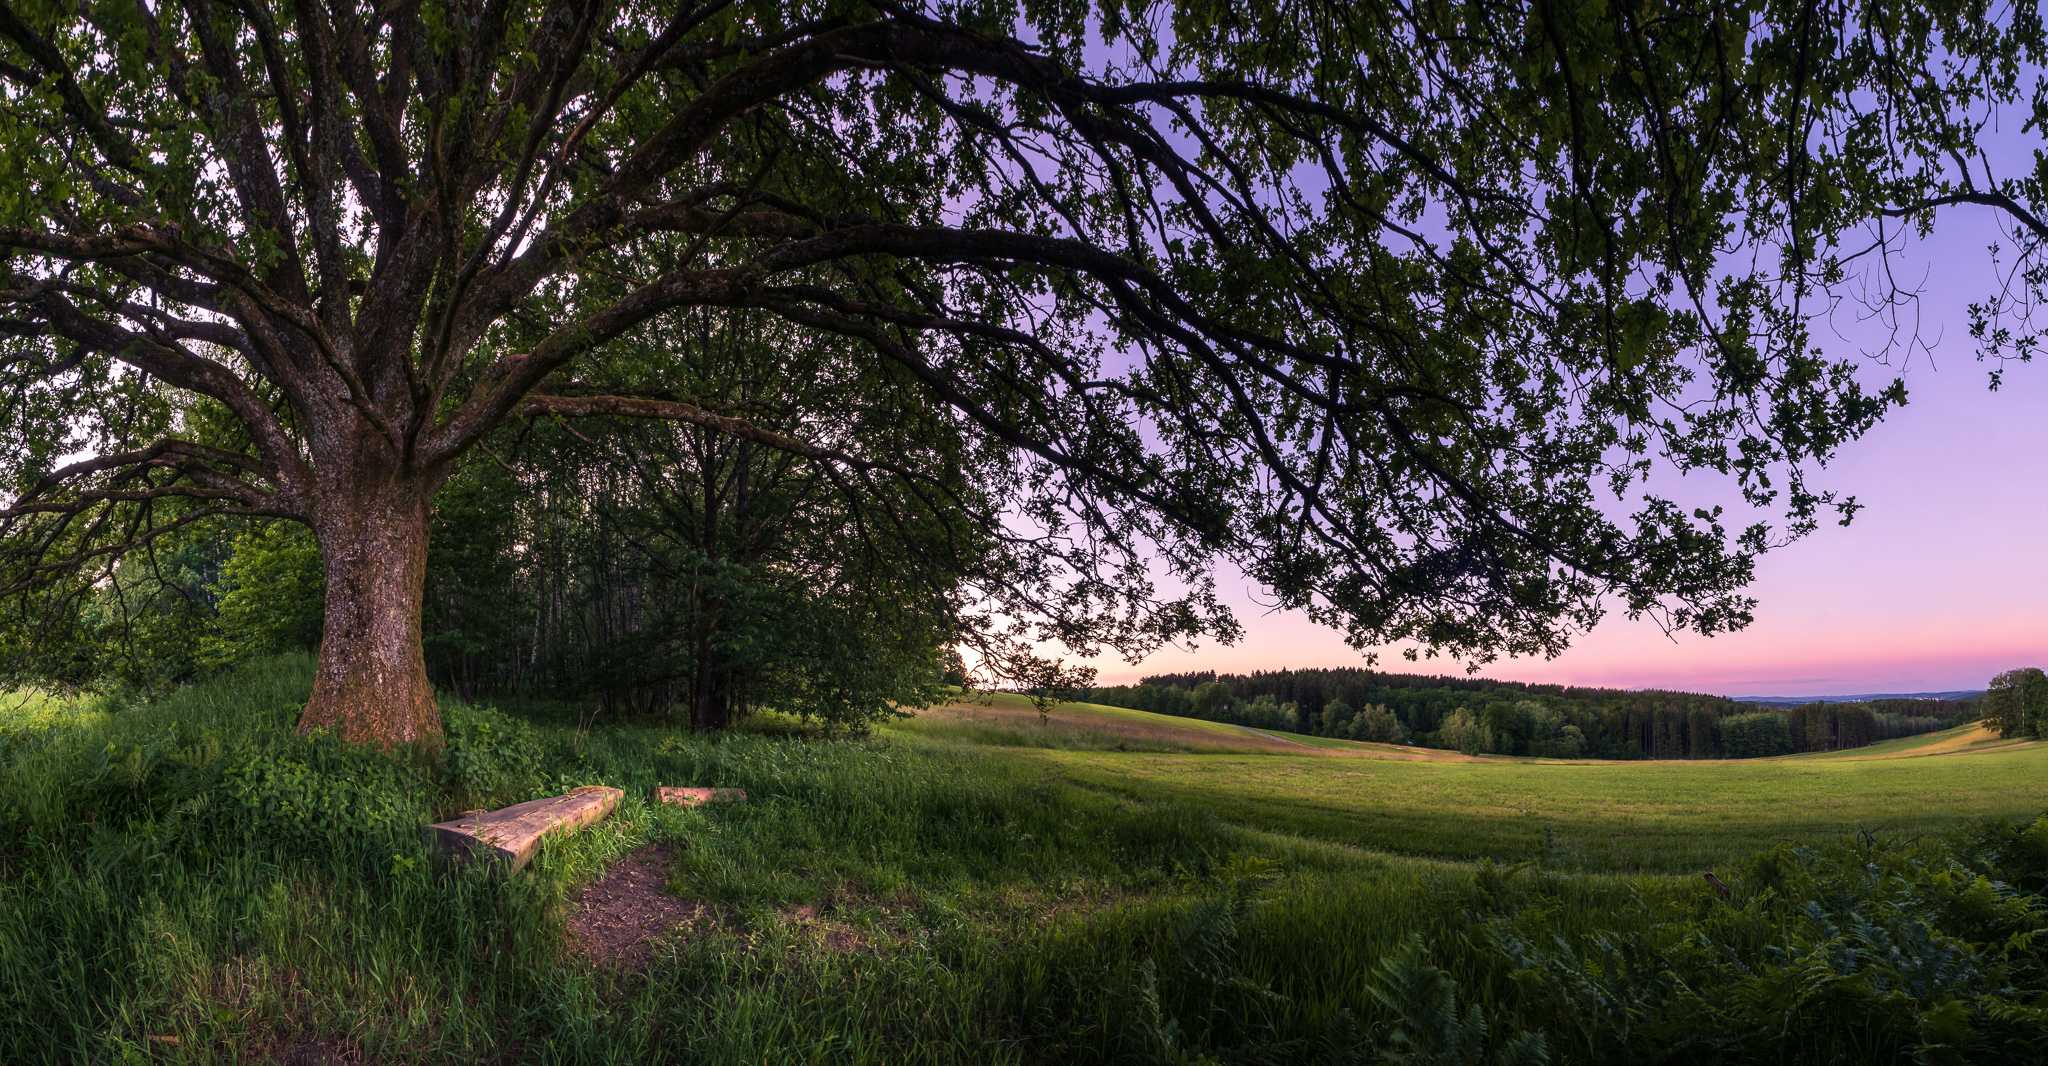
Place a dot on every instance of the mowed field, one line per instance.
(1668, 817)
(1007, 720)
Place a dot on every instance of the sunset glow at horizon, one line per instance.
(1940, 582)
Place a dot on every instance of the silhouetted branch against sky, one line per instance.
(1374, 301)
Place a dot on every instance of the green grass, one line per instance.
(1967, 738)
(1085, 715)
(114, 930)
(1620, 817)
(1005, 719)
(1327, 743)
(187, 869)
(1032, 735)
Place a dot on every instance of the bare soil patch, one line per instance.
(617, 920)
(836, 937)
(317, 1053)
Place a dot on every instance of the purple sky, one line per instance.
(1941, 581)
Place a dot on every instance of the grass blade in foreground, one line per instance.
(187, 869)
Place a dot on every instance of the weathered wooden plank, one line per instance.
(698, 797)
(514, 833)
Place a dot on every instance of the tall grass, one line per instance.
(186, 881)
(1031, 735)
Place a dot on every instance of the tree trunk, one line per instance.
(709, 711)
(371, 686)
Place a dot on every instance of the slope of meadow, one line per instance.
(1003, 719)
(1969, 739)
(185, 881)
(1648, 816)
(1651, 817)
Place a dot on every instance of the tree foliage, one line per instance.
(1482, 715)
(653, 563)
(2016, 703)
(1394, 307)
(268, 597)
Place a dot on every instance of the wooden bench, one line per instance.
(697, 797)
(514, 833)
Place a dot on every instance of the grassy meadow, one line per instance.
(1599, 815)
(185, 881)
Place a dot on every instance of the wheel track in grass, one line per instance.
(1268, 736)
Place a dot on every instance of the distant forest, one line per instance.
(1485, 716)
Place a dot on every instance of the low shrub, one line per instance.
(317, 796)
(1925, 951)
(489, 758)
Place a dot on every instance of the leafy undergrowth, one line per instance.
(186, 881)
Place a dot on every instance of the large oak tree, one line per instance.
(1391, 305)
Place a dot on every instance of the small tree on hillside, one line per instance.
(1374, 722)
(1464, 731)
(2016, 702)
(1336, 717)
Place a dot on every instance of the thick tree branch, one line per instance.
(677, 411)
(2007, 204)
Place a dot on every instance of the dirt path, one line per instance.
(617, 920)
(1269, 736)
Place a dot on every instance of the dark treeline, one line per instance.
(643, 566)
(1486, 716)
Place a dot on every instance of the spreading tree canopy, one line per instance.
(1392, 305)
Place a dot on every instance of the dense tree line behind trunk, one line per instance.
(635, 566)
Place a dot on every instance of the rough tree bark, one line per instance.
(371, 685)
